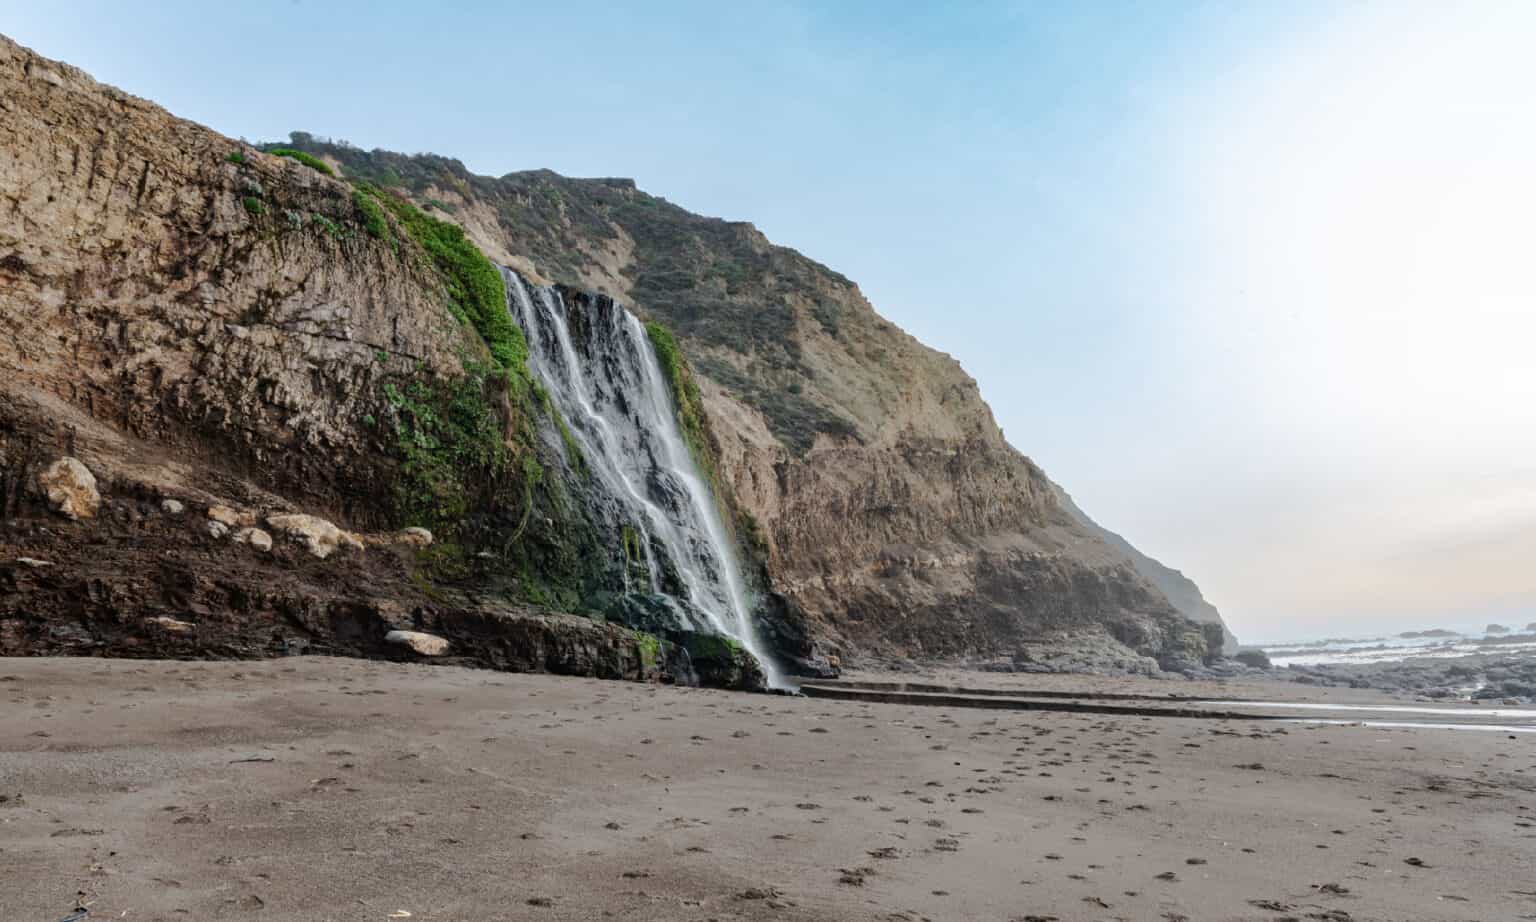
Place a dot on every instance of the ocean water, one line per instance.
(1391, 648)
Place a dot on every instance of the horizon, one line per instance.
(1269, 313)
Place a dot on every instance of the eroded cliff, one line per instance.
(208, 325)
(889, 506)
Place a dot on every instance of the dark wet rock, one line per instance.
(1480, 676)
(1254, 658)
(722, 663)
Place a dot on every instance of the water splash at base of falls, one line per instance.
(602, 374)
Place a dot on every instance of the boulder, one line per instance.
(420, 643)
(721, 662)
(172, 625)
(172, 507)
(70, 488)
(232, 518)
(320, 537)
(217, 529)
(255, 537)
(1255, 658)
(416, 536)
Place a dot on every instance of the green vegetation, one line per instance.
(650, 649)
(327, 225)
(235, 157)
(685, 394)
(830, 315)
(450, 442)
(374, 221)
(752, 537)
(716, 648)
(309, 160)
(477, 295)
(573, 452)
(630, 538)
(254, 205)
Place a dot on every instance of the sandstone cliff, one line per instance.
(211, 355)
(889, 506)
(207, 325)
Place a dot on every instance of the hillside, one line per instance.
(892, 508)
(208, 326)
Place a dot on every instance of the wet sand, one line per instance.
(329, 789)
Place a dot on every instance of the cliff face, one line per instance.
(204, 323)
(890, 507)
(1179, 589)
(195, 303)
(210, 356)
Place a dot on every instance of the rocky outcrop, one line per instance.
(70, 488)
(139, 582)
(198, 322)
(221, 304)
(1179, 589)
(877, 487)
(195, 325)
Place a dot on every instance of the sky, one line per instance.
(1256, 282)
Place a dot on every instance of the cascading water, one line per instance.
(602, 374)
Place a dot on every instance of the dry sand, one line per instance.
(327, 789)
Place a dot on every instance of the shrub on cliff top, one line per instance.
(309, 160)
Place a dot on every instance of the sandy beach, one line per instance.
(331, 789)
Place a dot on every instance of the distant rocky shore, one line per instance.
(1495, 676)
(1479, 676)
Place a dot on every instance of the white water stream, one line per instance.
(601, 372)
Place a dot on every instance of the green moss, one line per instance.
(573, 452)
(235, 157)
(650, 649)
(477, 295)
(715, 648)
(372, 213)
(327, 225)
(313, 162)
(254, 205)
(631, 541)
(450, 441)
(685, 395)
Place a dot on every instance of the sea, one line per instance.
(1436, 643)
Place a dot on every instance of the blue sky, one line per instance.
(1248, 279)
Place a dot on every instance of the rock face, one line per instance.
(1178, 588)
(189, 316)
(201, 304)
(888, 506)
(70, 488)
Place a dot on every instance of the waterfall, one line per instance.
(602, 374)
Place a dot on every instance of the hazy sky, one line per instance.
(1256, 283)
